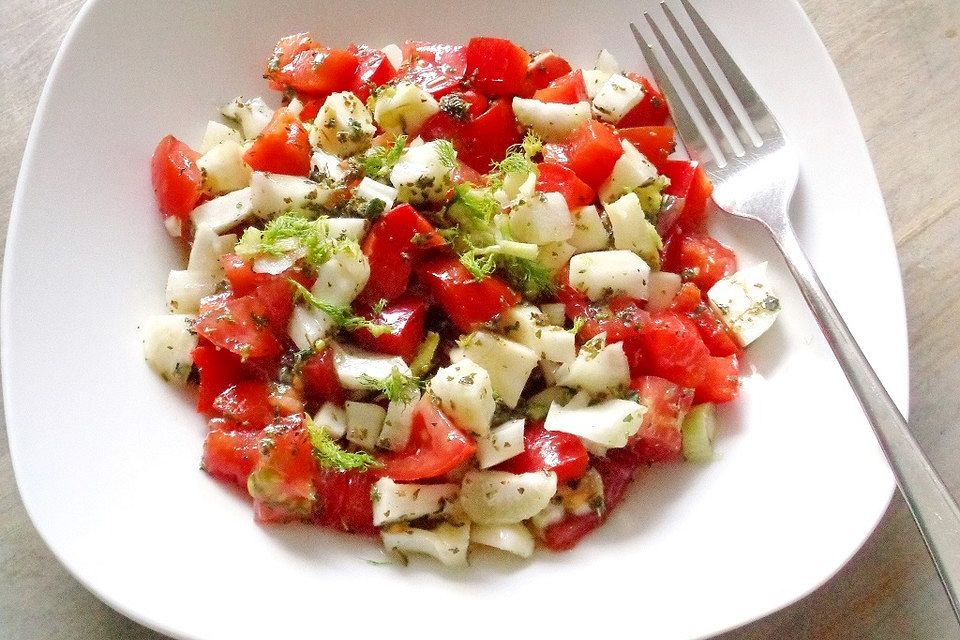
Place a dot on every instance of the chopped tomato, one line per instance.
(590, 151)
(283, 54)
(393, 242)
(556, 451)
(230, 455)
(407, 319)
(437, 446)
(674, 348)
(177, 183)
(655, 143)
(659, 438)
(244, 280)
(373, 70)
(467, 302)
(568, 89)
(689, 181)
(320, 380)
(343, 500)
(437, 68)
(282, 481)
(722, 380)
(545, 67)
(652, 110)
(316, 71)
(466, 173)
(713, 331)
(277, 299)
(621, 319)
(555, 177)
(247, 404)
(218, 370)
(240, 325)
(617, 470)
(698, 258)
(496, 67)
(282, 147)
(481, 141)
(311, 107)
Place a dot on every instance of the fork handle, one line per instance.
(935, 511)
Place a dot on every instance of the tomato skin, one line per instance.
(699, 259)
(689, 181)
(240, 325)
(247, 405)
(230, 455)
(590, 151)
(284, 52)
(311, 107)
(713, 331)
(316, 71)
(320, 379)
(373, 70)
(288, 466)
(391, 245)
(244, 280)
(343, 500)
(437, 68)
(436, 447)
(617, 470)
(675, 349)
(659, 438)
(218, 369)
(555, 177)
(543, 450)
(282, 147)
(722, 380)
(652, 110)
(543, 69)
(177, 182)
(568, 89)
(481, 141)
(496, 66)
(407, 319)
(655, 143)
(467, 303)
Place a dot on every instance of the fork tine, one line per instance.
(749, 101)
(692, 135)
(716, 122)
(743, 130)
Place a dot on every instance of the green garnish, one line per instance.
(423, 361)
(578, 323)
(519, 158)
(331, 455)
(479, 262)
(397, 387)
(532, 278)
(287, 233)
(379, 161)
(378, 308)
(479, 204)
(343, 317)
(446, 153)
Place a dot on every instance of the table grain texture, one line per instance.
(900, 61)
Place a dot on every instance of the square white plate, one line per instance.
(106, 454)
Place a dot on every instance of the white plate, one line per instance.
(106, 454)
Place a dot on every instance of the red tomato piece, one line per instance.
(699, 259)
(556, 451)
(282, 480)
(311, 107)
(555, 177)
(218, 370)
(659, 438)
(177, 183)
(655, 143)
(316, 71)
(722, 380)
(674, 348)
(712, 330)
(373, 70)
(247, 404)
(320, 379)
(343, 500)
(545, 67)
(689, 181)
(230, 455)
(590, 151)
(407, 319)
(244, 280)
(437, 68)
(240, 325)
(467, 303)
(496, 66)
(282, 147)
(437, 446)
(277, 298)
(652, 110)
(393, 242)
(479, 142)
(283, 54)
(568, 89)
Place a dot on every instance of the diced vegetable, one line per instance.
(598, 368)
(541, 219)
(364, 423)
(508, 363)
(663, 288)
(223, 168)
(616, 98)
(253, 115)
(446, 542)
(502, 443)
(403, 108)
(609, 423)
(512, 538)
(632, 170)
(464, 392)
(394, 502)
(343, 126)
(423, 174)
(746, 303)
(499, 497)
(632, 230)
(699, 428)
(168, 343)
(225, 212)
(602, 274)
(333, 419)
(549, 120)
(358, 369)
(589, 232)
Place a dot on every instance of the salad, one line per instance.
(448, 295)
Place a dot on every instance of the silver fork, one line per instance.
(754, 172)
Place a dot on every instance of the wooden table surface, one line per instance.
(900, 61)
